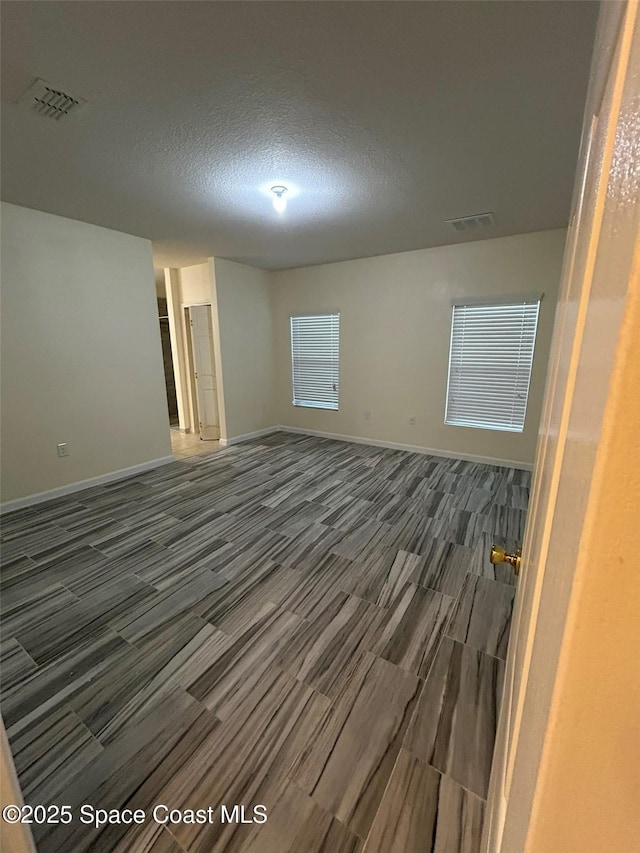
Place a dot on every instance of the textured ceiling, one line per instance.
(383, 118)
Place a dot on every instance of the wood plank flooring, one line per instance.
(302, 623)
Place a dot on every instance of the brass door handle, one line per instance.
(499, 555)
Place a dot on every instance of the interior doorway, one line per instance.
(202, 372)
(201, 385)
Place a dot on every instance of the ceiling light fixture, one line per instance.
(279, 201)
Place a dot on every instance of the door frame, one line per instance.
(15, 836)
(187, 355)
(192, 394)
(196, 391)
(564, 774)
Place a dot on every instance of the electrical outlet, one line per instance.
(63, 449)
(412, 420)
(367, 415)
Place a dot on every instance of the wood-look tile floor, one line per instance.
(300, 623)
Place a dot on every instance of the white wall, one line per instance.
(195, 284)
(82, 358)
(395, 323)
(243, 329)
(81, 353)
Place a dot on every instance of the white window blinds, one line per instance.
(315, 355)
(490, 364)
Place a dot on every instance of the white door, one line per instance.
(594, 305)
(205, 372)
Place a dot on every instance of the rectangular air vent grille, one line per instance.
(472, 223)
(50, 102)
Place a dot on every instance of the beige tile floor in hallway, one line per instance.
(185, 444)
(299, 623)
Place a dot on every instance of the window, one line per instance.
(490, 363)
(315, 347)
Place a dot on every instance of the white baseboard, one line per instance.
(411, 448)
(247, 436)
(70, 488)
(122, 473)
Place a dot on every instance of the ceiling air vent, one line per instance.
(472, 223)
(50, 102)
